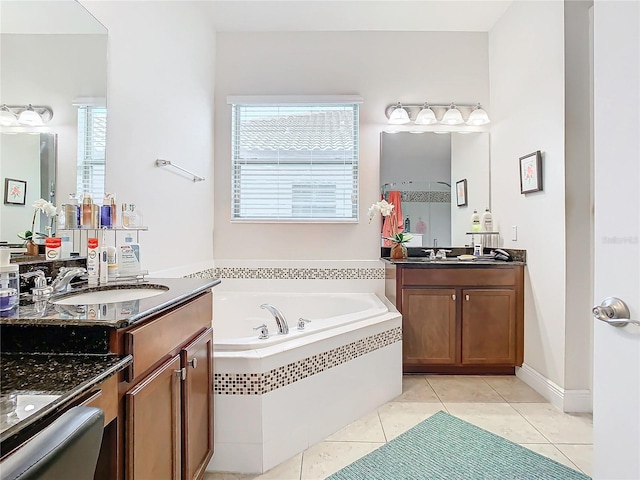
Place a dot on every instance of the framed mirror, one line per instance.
(54, 54)
(422, 169)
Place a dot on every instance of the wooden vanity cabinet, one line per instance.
(460, 319)
(169, 397)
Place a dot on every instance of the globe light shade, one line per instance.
(478, 117)
(452, 116)
(30, 117)
(426, 117)
(399, 116)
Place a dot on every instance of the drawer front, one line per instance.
(456, 276)
(105, 396)
(162, 337)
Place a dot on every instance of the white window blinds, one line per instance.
(92, 142)
(295, 162)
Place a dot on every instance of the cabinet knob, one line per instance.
(466, 297)
(181, 374)
(453, 297)
(193, 363)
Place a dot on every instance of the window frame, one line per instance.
(352, 165)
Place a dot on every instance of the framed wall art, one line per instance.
(15, 191)
(531, 172)
(461, 193)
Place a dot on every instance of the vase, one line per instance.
(32, 248)
(398, 251)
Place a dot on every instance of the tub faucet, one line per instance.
(65, 275)
(283, 328)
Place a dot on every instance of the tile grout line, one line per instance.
(386, 440)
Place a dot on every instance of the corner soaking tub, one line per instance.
(277, 396)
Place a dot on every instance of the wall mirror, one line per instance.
(421, 168)
(53, 54)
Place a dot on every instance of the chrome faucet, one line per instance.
(65, 275)
(40, 284)
(283, 328)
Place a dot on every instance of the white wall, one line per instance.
(579, 196)
(526, 64)
(470, 160)
(160, 105)
(383, 67)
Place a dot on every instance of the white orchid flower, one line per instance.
(48, 208)
(383, 207)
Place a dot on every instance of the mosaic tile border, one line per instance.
(265, 382)
(286, 273)
(426, 196)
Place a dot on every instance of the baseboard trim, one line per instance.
(566, 400)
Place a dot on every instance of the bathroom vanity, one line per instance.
(459, 317)
(148, 363)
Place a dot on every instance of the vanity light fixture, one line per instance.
(399, 116)
(426, 116)
(451, 114)
(28, 115)
(7, 117)
(478, 117)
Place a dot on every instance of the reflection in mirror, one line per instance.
(53, 53)
(421, 168)
(30, 158)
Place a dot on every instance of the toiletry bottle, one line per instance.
(129, 257)
(135, 216)
(95, 215)
(124, 215)
(114, 210)
(67, 245)
(104, 265)
(105, 212)
(421, 227)
(487, 221)
(93, 261)
(87, 216)
(407, 225)
(53, 248)
(71, 212)
(475, 222)
(9, 279)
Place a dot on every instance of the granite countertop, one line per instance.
(112, 315)
(36, 386)
(424, 262)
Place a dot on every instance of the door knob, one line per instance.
(613, 311)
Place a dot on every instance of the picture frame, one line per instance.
(461, 193)
(531, 172)
(15, 191)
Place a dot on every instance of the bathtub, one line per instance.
(240, 313)
(275, 397)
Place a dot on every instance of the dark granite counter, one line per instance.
(111, 315)
(424, 262)
(34, 387)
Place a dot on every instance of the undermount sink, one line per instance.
(111, 294)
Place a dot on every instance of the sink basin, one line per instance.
(112, 294)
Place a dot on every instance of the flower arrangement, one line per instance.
(49, 209)
(385, 209)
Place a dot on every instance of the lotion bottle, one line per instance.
(487, 221)
(129, 257)
(475, 222)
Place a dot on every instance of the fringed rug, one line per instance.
(444, 447)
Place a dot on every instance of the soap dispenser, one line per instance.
(475, 222)
(9, 279)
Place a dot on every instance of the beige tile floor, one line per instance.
(503, 405)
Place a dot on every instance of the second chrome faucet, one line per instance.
(283, 327)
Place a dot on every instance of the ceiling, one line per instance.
(347, 15)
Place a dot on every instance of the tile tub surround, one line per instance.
(53, 381)
(272, 404)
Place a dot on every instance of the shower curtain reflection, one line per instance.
(426, 210)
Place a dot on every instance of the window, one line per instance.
(92, 142)
(295, 161)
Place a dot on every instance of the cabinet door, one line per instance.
(429, 326)
(153, 425)
(197, 405)
(489, 326)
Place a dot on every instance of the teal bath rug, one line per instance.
(444, 447)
